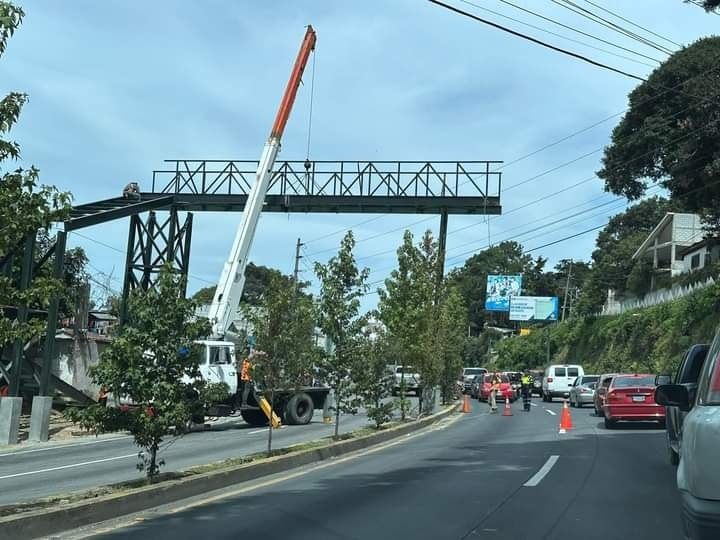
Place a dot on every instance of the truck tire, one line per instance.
(299, 410)
(254, 417)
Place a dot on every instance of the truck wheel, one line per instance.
(299, 410)
(254, 417)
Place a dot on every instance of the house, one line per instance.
(700, 254)
(101, 322)
(665, 244)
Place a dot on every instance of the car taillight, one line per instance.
(612, 396)
(549, 379)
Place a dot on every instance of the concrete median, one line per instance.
(51, 520)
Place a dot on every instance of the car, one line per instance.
(506, 391)
(600, 391)
(467, 377)
(408, 376)
(687, 374)
(537, 382)
(632, 397)
(698, 476)
(583, 390)
(515, 380)
(476, 385)
(558, 379)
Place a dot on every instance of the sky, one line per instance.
(116, 87)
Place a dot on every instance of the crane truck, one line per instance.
(218, 363)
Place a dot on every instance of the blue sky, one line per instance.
(116, 87)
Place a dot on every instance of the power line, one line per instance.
(632, 23)
(535, 40)
(565, 37)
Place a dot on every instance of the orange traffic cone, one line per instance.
(466, 404)
(565, 420)
(507, 411)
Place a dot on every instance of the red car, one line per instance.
(632, 397)
(506, 389)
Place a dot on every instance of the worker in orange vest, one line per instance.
(246, 384)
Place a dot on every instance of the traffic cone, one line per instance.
(466, 404)
(507, 411)
(565, 420)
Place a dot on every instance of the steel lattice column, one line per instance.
(151, 244)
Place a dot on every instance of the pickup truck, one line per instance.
(687, 375)
(408, 376)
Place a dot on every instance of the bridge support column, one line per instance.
(151, 244)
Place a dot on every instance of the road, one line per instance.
(476, 476)
(45, 470)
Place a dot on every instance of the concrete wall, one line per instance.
(74, 358)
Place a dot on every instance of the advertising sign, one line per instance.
(499, 290)
(534, 308)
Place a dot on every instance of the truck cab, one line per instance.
(217, 363)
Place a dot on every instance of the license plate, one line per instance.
(638, 398)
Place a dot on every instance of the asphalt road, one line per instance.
(52, 469)
(476, 476)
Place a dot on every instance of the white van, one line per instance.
(558, 380)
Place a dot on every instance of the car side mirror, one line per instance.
(673, 395)
(663, 379)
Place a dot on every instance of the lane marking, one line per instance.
(533, 404)
(257, 431)
(62, 446)
(72, 465)
(538, 476)
(551, 412)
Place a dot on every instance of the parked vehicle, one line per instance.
(515, 380)
(600, 392)
(537, 382)
(632, 397)
(583, 390)
(506, 392)
(558, 379)
(468, 375)
(698, 476)
(687, 374)
(408, 376)
(476, 385)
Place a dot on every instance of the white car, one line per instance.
(408, 376)
(558, 380)
(698, 474)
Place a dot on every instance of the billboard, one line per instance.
(499, 290)
(534, 308)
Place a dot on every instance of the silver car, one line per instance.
(583, 390)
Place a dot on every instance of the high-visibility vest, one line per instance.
(526, 379)
(245, 371)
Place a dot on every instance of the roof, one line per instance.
(697, 245)
(667, 218)
(102, 316)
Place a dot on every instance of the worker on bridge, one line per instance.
(131, 191)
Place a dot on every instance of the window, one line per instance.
(589, 379)
(573, 372)
(220, 355)
(695, 261)
(630, 382)
(560, 372)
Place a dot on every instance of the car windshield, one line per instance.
(503, 378)
(629, 382)
(587, 379)
(473, 371)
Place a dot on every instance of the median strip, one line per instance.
(38, 522)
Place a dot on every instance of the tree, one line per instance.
(342, 284)
(154, 364)
(709, 5)
(26, 206)
(257, 280)
(450, 340)
(672, 136)
(373, 380)
(284, 325)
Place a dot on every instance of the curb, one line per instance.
(47, 521)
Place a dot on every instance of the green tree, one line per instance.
(373, 381)
(26, 206)
(284, 325)
(709, 5)
(449, 341)
(342, 284)
(154, 364)
(257, 280)
(672, 136)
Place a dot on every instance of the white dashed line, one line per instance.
(534, 404)
(538, 476)
(551, 412)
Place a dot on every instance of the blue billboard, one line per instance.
(499, 290)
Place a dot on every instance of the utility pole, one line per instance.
(567, 287)
(297, 261)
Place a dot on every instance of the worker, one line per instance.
(131, 191)
(495, 381)
(527, 384)
(246, 384)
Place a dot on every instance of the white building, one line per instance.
(701, 254)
